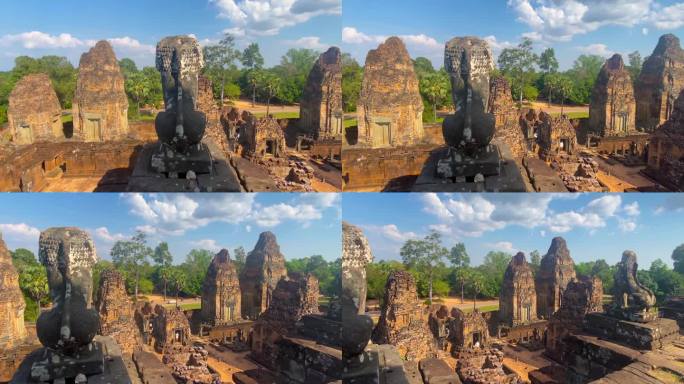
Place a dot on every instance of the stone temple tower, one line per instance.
(264, 267)
(518, 301)
(221, 291)
(556, 271)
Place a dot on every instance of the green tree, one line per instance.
(271, 85)
(128, 67)
(678, 258)
(195, 267)
(23, 258)
(425, 256)
(33, 281)
(518, 63)
(547, 61)
(352, 78)
(252, 58)
(460, 260)
(477, 281)
(240, 257)
(436, 88)
(179, 279)
(635, 65)
(131, 256)
(667, 280)
(535, 261)
(493, 268)
(376, 277)
(137, 87)
(255, 79)
(60, 70)
(583, 75)
(423, 66)
(163, 258)
(220, 61)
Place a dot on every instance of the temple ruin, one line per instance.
(221, 291)
(12, 305)
(100, 106)
(356, 254)
(468, 330)
(390, 108)
(208, 105)
(264, 267)
(34, 113)
(507, 126)
(320, 115)
(557, 269)
(403, 320)
(518, 301)
(263, 138)
(666, 150)
(613, 106)
(580, 297)
(116, 311)
(557, 136)
(660, 82)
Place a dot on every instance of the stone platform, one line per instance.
(145, 179)
(591, 358)
(107, 359)
(509, 178)
(379, 364)
(643, 336)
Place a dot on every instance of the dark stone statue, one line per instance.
(632, 300)
(68, 254)
(181, 125)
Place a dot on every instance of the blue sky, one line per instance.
(69, 27)
(571, 27)
(596, 226)
(305, 224)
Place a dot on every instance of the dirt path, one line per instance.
(468, 304)
(246, 105)
(629, 175)
(556, 108)
(237, 362)
(524, 361)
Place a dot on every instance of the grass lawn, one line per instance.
(280, 115)
(67, 119)
(185, 307)
(351, 123)
(574, 115)
(486, 308)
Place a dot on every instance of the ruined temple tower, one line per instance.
(34, 112)
(666, 149)
(356, 254)
(116, 311)
(505, 113)
(613, 106)
(207, 104)
(321, 104)
(12, 305)
(390, 108)
(518, 301)
(660, 82)
(557, 269)
(221, 291)
(264, 267)
(100, 103)
(403, 319)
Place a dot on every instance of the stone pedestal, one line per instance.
(151, 173)
(378, 364)
(499, 173)
(644, 336)
(53, 366)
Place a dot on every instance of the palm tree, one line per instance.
(433, 86)
(271, 83)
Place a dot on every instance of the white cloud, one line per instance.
(208, 244)
(351, 35)
(22, 231)
(268, 17)
(41, 40)
(131, 45)
(644, 31)
(392, 232)
(632, 209)
(496, 45)
(474, 215)
(627, 225)
(103, 234)
(417, 45)
(561, 20)
(174, 214)
(596, 49)
(503, 246)
(310, 42)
